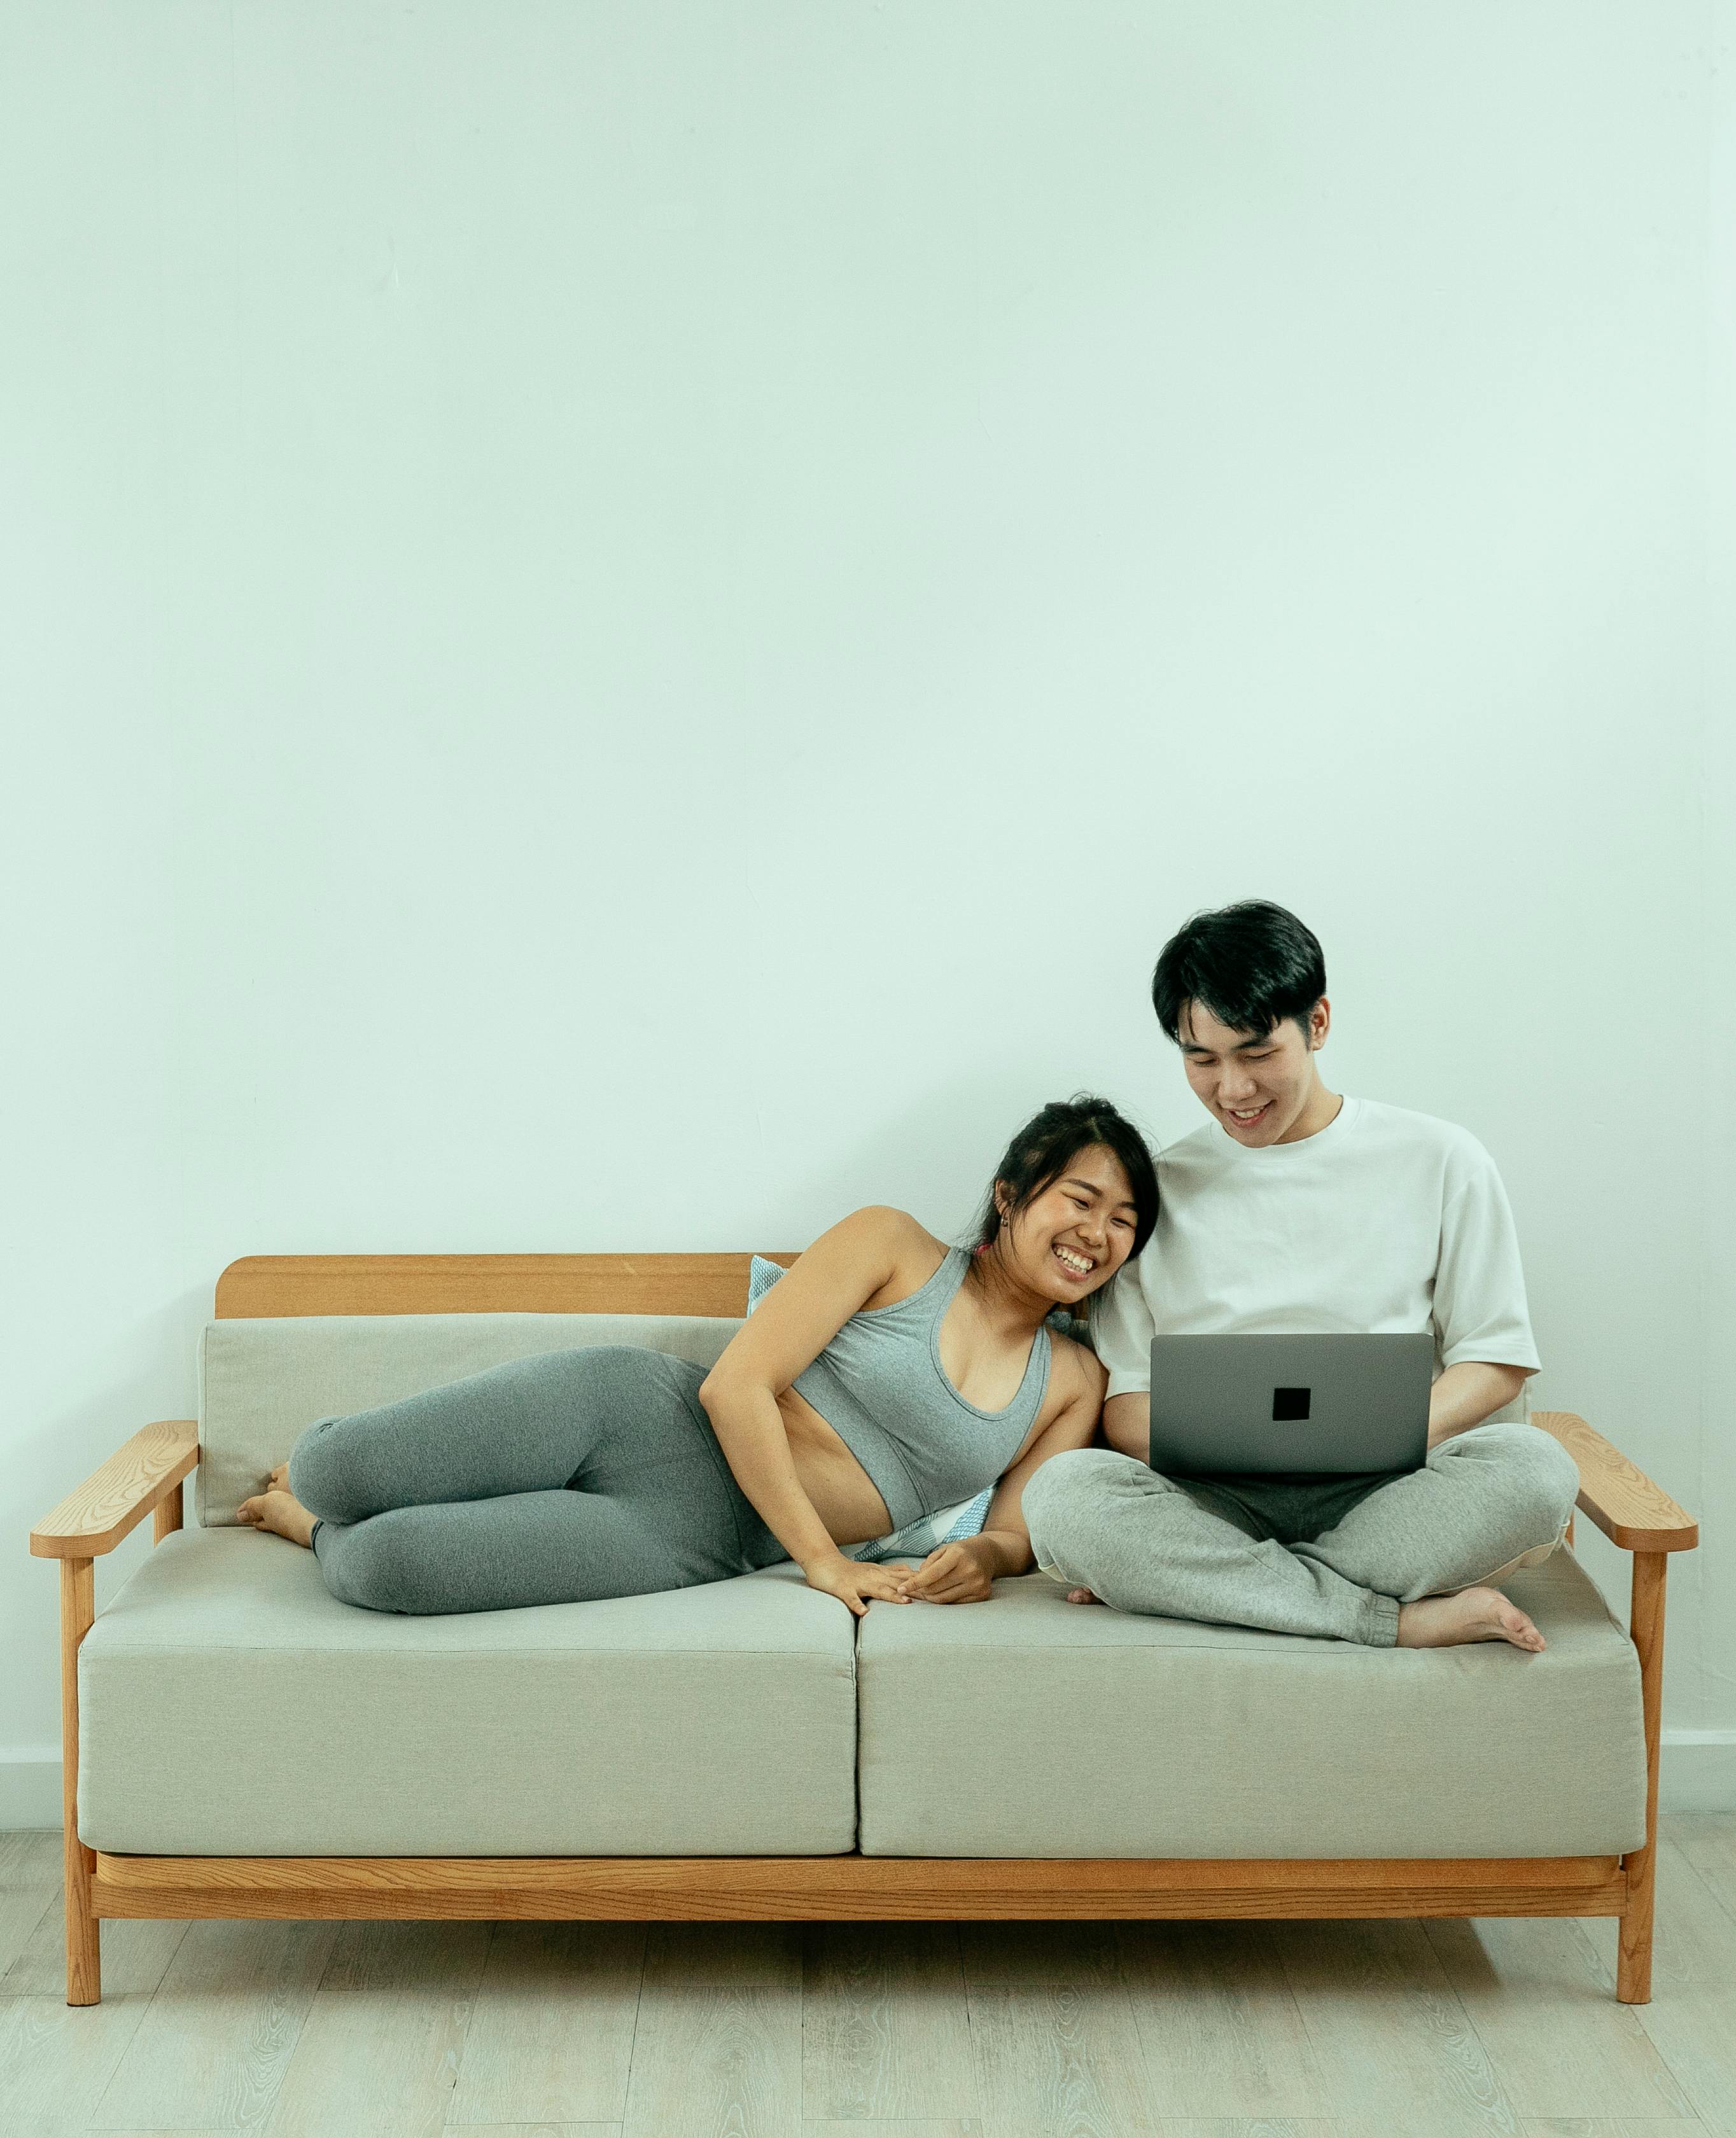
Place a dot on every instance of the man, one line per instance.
(1298, 1211)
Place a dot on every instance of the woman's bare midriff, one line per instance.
(842, 1492)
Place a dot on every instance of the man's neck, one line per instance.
(1321, 1111)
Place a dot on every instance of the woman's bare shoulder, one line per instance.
(888, 1248)
(878, 1224)
(1078, 1371)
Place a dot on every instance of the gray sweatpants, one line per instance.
(1331, 1556)
(560, 1479)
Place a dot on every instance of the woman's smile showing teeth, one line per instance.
(1074, 1263)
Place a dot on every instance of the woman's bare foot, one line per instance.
(277, 1509)
(1082, 1596)
(1474, 1614)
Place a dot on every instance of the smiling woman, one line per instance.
(1076, 1144)
(887, 1375)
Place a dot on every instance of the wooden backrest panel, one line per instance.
(263, 1287)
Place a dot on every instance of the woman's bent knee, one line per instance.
(375, 1567)
(322, 1474)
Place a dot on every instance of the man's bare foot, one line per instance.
(277, 1509)
(1474, 1614)
(1082, 1596)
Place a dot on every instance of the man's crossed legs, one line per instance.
(1333, 1557)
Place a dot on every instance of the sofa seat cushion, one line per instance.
(1028, 1725)
(231, 1705)
(261, 1382)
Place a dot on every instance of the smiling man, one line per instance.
(1296, 1211)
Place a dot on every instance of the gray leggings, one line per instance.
(561, 1479)
(1331, 1556)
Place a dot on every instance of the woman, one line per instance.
(884, 1377)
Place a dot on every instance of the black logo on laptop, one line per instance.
(1289, 1404)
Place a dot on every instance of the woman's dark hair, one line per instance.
(1043, 1150)
(1251, 965)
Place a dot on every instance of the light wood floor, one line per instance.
(1290, 2030)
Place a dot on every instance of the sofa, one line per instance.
(240, 1743)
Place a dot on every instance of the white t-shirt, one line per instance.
(1384, 1221)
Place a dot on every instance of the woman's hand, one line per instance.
(858, 1585)
(953, 1573)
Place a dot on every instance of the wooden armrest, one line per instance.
(1630, 1510)
(118, 1496)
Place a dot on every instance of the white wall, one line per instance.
(627, 626)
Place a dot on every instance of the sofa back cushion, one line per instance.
(261, 1382)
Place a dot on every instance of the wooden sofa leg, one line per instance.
(166, 1517)
(1646, 1625)
(84, 1933)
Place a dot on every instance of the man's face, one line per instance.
(1257, 1086)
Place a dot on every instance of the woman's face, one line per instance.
(1070, 1240)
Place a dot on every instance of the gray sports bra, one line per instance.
(879, 1384)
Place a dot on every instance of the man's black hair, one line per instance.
(1251, 964)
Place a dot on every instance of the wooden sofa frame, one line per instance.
(146, 1477)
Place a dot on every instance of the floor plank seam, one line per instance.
(474, 1999)
(632, 2045)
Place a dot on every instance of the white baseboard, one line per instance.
(1699, 1770)
(30, 1786)
(1699, 1774)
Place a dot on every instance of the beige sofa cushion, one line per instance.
(261, 1382)
(1031, 1727)
(231, 1705)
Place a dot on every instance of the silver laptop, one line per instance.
(1234, 1406)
